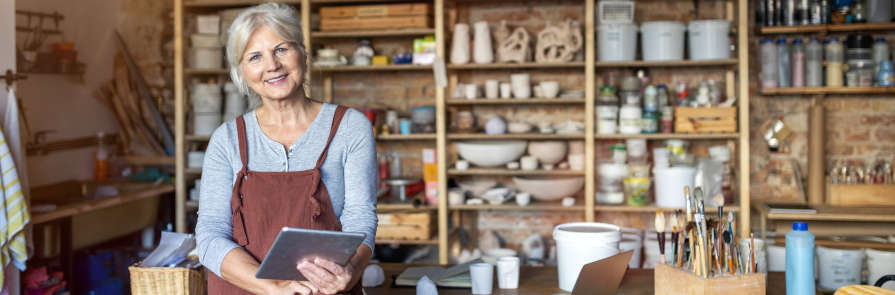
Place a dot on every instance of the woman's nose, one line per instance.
(273, 63)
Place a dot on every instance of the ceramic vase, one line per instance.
(521, 85)
(460, 44)
(482, 45)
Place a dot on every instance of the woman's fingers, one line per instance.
(316, 275)
(333, 268)
(300, 288)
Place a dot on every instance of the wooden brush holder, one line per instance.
(672, 280)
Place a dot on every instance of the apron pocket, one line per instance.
(239, 228)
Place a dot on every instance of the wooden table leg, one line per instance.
(66, 254)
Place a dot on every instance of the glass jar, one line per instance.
(637, 191)
(610, 185)
(607, 96)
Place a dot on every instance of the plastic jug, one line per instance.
(798, 63)
(784, 64)
(834, 57)
(768, 64)
(799, 260)
(814, 56)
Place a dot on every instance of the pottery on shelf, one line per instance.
(548, 152)
(465, 121)
(519, 127)
(492, 88)
(472, 91)
(528, 163)
(491, 153)
(506, 90)
(521, 84)
(515, 48)
(569, 127)
(460, 44)
(559, 42)
(501, 33)
(496, 125)
(483, 54)
(549, 89)
(549, 188)
(476, 187)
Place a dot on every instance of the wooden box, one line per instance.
(374, 17)
(405, 226)
(705, 120)
(861, 194)
(671, 280)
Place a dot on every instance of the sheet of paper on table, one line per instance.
(456, 276)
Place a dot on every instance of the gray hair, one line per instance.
(279, 18)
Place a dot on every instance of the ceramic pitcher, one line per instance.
(460, 44)
(482, 45)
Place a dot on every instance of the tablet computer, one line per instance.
(295, 244)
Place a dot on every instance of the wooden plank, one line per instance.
(527, 136)
(705, 120)
(503, 101)
(384, 207)
(405, 226)
(528, 65)
(534, 206)
(861, 194)
(663, 136)
(406, 137)
(193, 171)
(743, 107)
(828, 28)
(671, 280)
(68, 144)
(180, 193)
(372, 68)
(221, 4)
(376, 10)
(441, 138)
(651, 209)
(408, 242)
(507, 172)
(88, 205)
(827, 90)
(372, 23)
(150, 160)
(844, 244)
(668, 64)
(192, 137)
(195, 71)
(374, 33)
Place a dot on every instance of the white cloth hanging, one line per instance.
(20, 236)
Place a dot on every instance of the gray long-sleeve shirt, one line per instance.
(349, 174)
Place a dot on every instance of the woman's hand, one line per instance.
(291, 288)
(328, 277)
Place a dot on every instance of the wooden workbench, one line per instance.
(543, 280)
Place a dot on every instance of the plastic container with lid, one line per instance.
(637, 191)
(885, 76)
(833, 54)
(607, 96)
(581, 243)
(662, 40)
(629, 119)
(610, 189)
(709, 39)
(814, 60)
(662, 95)
(880, 52)
(799, 260)
(617, 42)
(650, 99)
(768, 64)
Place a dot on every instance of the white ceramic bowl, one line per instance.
(548, 152)
(549, 188)
(477, 187)
(491, 153)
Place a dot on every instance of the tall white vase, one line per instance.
(482, 46)
(460, 44)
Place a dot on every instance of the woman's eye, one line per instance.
(254, 58)
(281, 50)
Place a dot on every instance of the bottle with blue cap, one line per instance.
(880, 52)
(814, 69)
(799, 260)
(784, 65)
(768, 64)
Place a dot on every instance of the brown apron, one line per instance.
(264, 202)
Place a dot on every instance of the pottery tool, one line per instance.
(702, 239)
(660, 233)
(687, 200)
(752, 252)
(674, 229)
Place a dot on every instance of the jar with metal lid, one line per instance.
(607, 96)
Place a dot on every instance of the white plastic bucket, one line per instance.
(662, 40)
(776, 258)
(709, 39)
(207, 57)
(880, 263)
(206, 97)
(839, 267)
(618, 42)
(670, 183)
(206, 123)
(761, 253)
(580, 243)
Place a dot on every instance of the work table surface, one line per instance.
(543, 280)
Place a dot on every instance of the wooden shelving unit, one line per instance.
(511, 206)
(828, 28)
(408, 242)
(194, 71)
(403, 207)
(508, 172)
(218, 4)
(662, 136)
(667, 64)
(527, 136)
(829, 90)
(514, 101)
(369, 34)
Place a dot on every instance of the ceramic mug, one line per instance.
(491, 88)
(506, 90)
(549, 89)
(508, 272)
(521, 85)
(327, 54)
(576, 162)
(522, 199)
(462, 165)
(529, 163)
(472, 91)
(482, 275)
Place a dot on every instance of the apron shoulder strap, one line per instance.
(243, 146)
(337, 119)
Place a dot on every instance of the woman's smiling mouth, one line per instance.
(277, 80)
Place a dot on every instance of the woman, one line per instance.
(290, 162)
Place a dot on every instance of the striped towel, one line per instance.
(13, 215)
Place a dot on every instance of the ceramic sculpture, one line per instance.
(515, 48)
(559, 42)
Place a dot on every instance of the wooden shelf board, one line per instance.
(828, 28)
(526, 136)
(409, 242)
(530, 65)
(231, 3)
(513, 101)
(660, 64)
(833, 213)
(403, 207)
(507, 172)
(649, 209)
(373, 33)
(193, 71)
(534, 206)
(193, 171)
(352, 1)
(371, 68)
(844, 244)
(150, 160)
(828, 90)
(660, 136)
(197, 137)
(407, 137)
(89, 204)
(191, 204)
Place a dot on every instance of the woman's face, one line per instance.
(272, 66)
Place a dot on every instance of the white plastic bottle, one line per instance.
(768, 64)
(798, 63)
(814, 64)
(880, 53)
(834, 58)
(784, 64)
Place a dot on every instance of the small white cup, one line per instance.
(482, 278)
(472, 91)
(550, 89)
(523, 199)
(491, 88)
(576, 162)
(506, 90)
(461, 165)
(513, 165)
(529, 163)
(521, 85)
(508, 272)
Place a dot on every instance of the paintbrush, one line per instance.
(727, 253)
(681, 240)
(674, 228)
(702, 239)
(660, 233)
(711, 224)
(752, 252)
(690, 229)
(687, 200)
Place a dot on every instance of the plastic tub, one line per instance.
(839, 267)
(207, 57)
(709, 39)
(670, 184)
(880, 263)
(632, 242)
(581, 243)
(776, 258)
(662, 40)
(618, 42)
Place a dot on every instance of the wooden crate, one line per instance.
(861, 194)
(405, 226)
(374, 17)
(705, 120)
(671, 280)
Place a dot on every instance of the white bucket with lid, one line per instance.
(618, 42)
(580, 243)
(670, 184)
(839, 267)
(709, 39)
(880, 263)
(662, 40)
(776, 258)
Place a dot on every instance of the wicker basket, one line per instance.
(166, 280)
